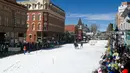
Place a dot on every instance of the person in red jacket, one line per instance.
(125, 71)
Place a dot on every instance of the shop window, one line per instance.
(20, 35)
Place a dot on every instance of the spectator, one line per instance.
(25, 47)
(125, 71)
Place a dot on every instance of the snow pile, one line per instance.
(60, 60)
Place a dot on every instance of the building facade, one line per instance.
(125, 25)
(121, 8)
(45, 20)
(12, 21)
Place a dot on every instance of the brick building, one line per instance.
(12, 21)
(45, 20)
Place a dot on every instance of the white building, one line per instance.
(125, 25)
(121, 9)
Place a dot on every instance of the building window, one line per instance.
(34, 37)
(45, 16)
(28, 17)
(27, 26)
(33, 6)
(39, 17)
(39, 26)
(30, 36)
(28, 5)
(39, 5)
(17, 21)
(45, 5)
(7, 20)
(33, 26)
(0, 20)
(23, 22)
(33, 17)
(45, 26)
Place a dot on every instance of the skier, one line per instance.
(75, 44)
(81, 45)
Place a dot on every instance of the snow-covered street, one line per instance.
(60, 60)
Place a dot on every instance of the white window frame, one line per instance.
(39, 16)
(33, 26)
(27, 17)
(33, 18)
(27, 26)
(39, 26)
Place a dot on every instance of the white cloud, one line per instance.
(91, 21)
(30, 0)
(107, 16)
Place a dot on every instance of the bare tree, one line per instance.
(94, 28)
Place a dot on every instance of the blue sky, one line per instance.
(101, 12)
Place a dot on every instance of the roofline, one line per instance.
(15, 3)
(57, 6)
(127, 9)
(36, 1)
(70, 24)
(27, 1)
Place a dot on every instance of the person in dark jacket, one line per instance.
(76, 45)
(25, 47)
